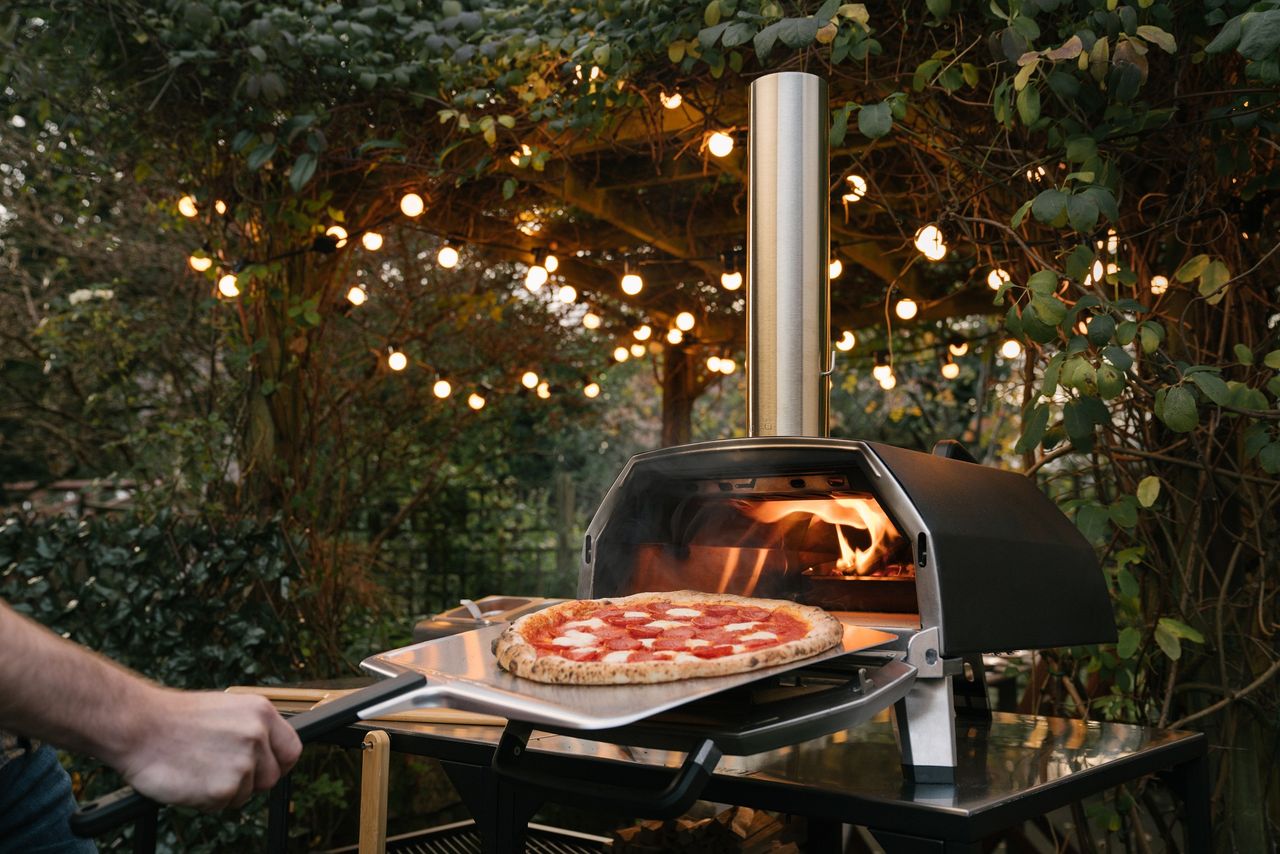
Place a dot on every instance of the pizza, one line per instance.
(661, 637)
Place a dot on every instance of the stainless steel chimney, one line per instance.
(787, 256)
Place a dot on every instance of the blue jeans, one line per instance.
(35, 804)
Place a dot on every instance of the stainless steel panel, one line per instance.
(462, 673)
(787, 257)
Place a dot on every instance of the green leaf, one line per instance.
(508, 188)
(1110, 382)
(1243, 354)
(712, 14)
(1043, 282)
(1179, 412)
(1078, 424)
(939, 8)
(1049, 310)
(1269, 458)
(796, 33)
(1272, 360)
(1028, 104)
(1021, 213)
(1050, 207)
(1148, 490)
(1033, 429)
(675, 51)
(260, 155)
(1128, 642)
(1212, 386)
(1081, 148)
(302, 170)
(1227, 38)
(1051, 373)
(1118, 356)
(1093, 521)
(1192, 268)
(1157, 37)
(1168, 642)
(875, 120)
(1180, 630)
(1082, 212)
(1124, 512)
(1261, 37)
(1101, 328)
(1213, 279)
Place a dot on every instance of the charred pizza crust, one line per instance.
(516, 655)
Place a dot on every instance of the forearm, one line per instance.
(56, 691)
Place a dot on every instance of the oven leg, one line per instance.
(278, 815)
(501, 813)
(897, 843)
(1190, 782)
(926, 720)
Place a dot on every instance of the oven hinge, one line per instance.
(923, 655)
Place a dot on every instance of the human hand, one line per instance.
(206, 749)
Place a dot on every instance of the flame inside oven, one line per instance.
(860, 514)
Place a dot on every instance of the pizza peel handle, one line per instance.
(96, 817)
(512, 761)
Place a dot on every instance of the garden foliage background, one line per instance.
(1086, 147)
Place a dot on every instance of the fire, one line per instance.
(861, 513)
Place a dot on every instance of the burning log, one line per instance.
(737, 830)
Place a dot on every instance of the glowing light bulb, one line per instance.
(544, 389)
(728, 366)
(720, 143)
(834, 269)
(220, 206)
(447, 257)
(371, 240)
(621, 354)
(674, 336)
(228, 286)
(1098, 271)
(525, 151)
(1037, 174)
(475, 401)
(529, 379)
(412, 205)
(187, 206)
(568, 294)
(888, 381)
(357, 295)
(671, 101)
(950, 370)
(930, 243)
(591, 321)
(1011, 348)
(996, 278)
(632, 284)
(200, 263)
(846, 342)
(731, 281)
(643, 333)
(857, 188)
(958, 347)
(551, 262)
(442, 389)
(684, 321)
(594, 73)
(1112, 268)
(713, 364)
(1159, 284)
(1082, 327)
(536, 277)
(638, 350)
(880, 372)
(397, 361)
(339, 235)
(906, 308)
(591, 390)
(1113, 241)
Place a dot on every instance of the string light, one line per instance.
(551, 262)
(372, 240)
(1037, 174)
(643, 333)
(857, 188)
(674, 336)
(728, 366)
(544, 390)
(930, 242)
(713, 364)
(591, 390)
(684, 321)
(671, 101)
(412, 205)
(950, 369)
(200, 263)
(638, 350)
(1159, 284)
(568, 294)
(536, 278)
(846, 342)
(957, 346)
(834, 269)
(996, 278)
(187, 206)
(906, 308)
(1112, 242)
(525, 151)
(357, 295)
(228, 286)
(339, 235)
(591, 320)
(442, 389)
(1011, 348)
(447, 257)
(720, 143)
(594, 74)
(621, 354)
(396, 360)
(529, 379)
(881, 370)
(730, 280)
(632, 284)
(220, 206)
(475, 401)
(889, 381)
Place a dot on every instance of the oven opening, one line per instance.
(817, 538)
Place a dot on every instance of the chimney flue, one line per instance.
(787, 257)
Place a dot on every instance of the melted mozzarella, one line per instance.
(740, 627)
(664, 624)
(635, 613)
(593, 623)
(683, 612)
(647, 642)
(616, 657)
(695, 642)
(739, 647)
(686, 656)
(760, 636)
(573, 637)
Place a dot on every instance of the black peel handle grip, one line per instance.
(511, 761)
(96, 817)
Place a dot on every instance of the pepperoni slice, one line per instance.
(717, 651)
(622, 642)
(720, 610)
(718, 636)
(666, 642)
(751, 613)
(641, 655)
(680, 633)
(620, 620)
(644, 631)
(710, 621)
